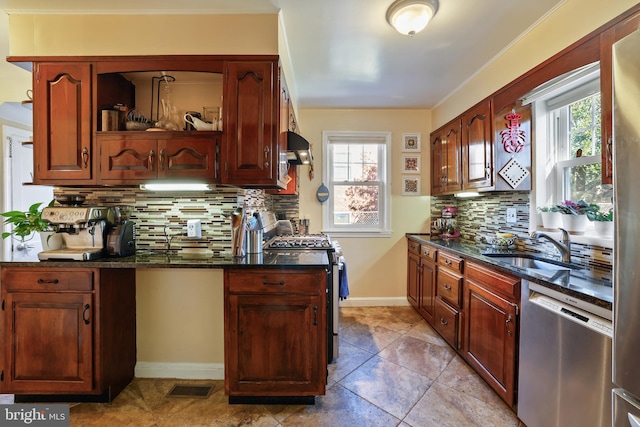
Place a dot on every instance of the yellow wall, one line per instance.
(143, 34)
(180, 315)
(376, 266)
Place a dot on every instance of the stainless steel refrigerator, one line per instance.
(626, 268)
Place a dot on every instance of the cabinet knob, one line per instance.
(84, 314)
(610, 149)
(85, 157)
(443, 322)
(447, 287)
(152, 155)
(161, 159)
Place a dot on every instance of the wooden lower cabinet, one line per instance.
(421, 279)
(67, 331)
(275, 332)
(491, 331)
(474, 308)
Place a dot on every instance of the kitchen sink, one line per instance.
(530, 261)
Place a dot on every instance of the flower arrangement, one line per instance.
(601, 216)
(581, 207)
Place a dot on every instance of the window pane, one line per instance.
(585, 183)
(584, 129)
(356, 204)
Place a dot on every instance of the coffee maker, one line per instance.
(83, 230)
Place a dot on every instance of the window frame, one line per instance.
(383, 141)
(549, 167)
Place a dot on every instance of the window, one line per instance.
(567, 117)
(357, 171)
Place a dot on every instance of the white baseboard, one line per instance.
(374, 302)
(185, 371)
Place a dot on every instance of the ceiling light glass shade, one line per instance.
(409, 17)
(175, 187)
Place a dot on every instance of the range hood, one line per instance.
(298, 149)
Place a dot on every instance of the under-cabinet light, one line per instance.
(466, 194)
(175, 187)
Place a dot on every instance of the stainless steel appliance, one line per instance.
(626, 266)
(83, 230)
(564, 374)
(310, 242)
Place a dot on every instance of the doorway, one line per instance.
(18, 190)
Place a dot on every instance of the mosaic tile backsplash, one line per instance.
(482, 217)
(163, 216)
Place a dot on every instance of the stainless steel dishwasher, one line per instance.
(565, 360)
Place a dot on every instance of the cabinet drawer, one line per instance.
(446, 322)
(449, 287)
(506, 285)
(450, 261)
(428, 252)
(15, 279)
(308, 282)
(414, 247)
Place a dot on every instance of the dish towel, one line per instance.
(344, 282)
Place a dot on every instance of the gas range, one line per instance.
(300, 241)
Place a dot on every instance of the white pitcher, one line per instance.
(197, 123)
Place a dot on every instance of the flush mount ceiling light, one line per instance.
(410, 17)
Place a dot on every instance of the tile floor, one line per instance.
(393, 370)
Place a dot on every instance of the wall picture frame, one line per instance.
(411, 142)
(410, 185)
(411, 163)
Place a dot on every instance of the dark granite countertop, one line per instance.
(575, 282)
(162, 259)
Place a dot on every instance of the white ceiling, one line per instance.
(343, 52)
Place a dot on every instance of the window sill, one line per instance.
(363, 233)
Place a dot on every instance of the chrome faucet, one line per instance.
(564, 246)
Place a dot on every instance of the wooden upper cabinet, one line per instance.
(446, 159)
(607, 39)
(251, 153)
(62, 123)
(477, 146)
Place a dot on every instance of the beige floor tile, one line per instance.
(349, 358)
(341, 408)
(442, 406)
(423, 331)
(387, 385)
(420, 356)
(369, 338)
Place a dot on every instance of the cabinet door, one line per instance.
(276, 345)
(413, 279)
(48, 343)
(192, 158)
(251, 151)
(477, 145)
(427, 292)
(127, 161)
(607, 39)
(490, 338)
(62, 123)
(446, 159)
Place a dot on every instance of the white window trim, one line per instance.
(546, 179)
(384, 230)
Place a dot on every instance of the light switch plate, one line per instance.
(512, 215)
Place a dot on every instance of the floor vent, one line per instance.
(190, 391)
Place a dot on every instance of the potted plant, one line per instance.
(574, 215)
(602, 222)
(27, 224)
(551, 217)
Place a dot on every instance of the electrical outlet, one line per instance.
(194, 229)
(512, 215)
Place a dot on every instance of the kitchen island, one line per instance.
(143, 326)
